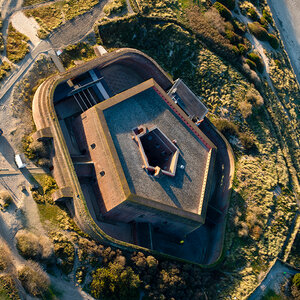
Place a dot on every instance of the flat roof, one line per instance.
(147, 104)
(187, 100)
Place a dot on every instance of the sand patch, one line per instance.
(27, 26)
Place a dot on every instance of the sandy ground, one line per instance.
(27, 26)
(287, 18)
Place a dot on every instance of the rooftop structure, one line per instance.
(159, 154)
(129, 192)
(188, 101)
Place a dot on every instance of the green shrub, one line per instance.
(34, 280)
(233, 37)
(115, 283)
(224, 12)
(64, 250)
(273, 41)
(242, 48)
(230, 4)
(226, 127)
(264, 23)
(251, 64)
(8, 288)
(267, 16)
(239, 27)
(252, 14)
(257, 60)
(296, 281)
(258, 31)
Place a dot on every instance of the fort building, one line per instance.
(137, 151)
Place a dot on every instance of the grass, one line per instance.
(17, 46)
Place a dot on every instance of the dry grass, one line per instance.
(5, 257)
(34, 280)
(115, 7)
(17, 46)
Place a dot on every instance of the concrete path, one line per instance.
(277, 276)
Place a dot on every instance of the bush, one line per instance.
(251, 64)
(115, 283)
(230, 4)
(252, 14)
(17, 46)
(254, 98)
(245, 108)
(5, 257)
(257, 60)
(247, 142)
(5, 199)
(273, 41)
(115, 7)
(34, 280)
(226, 127)
(224, 12)
(264, 23)
(296, 281)
(258, 31)
(8, 288)
(267, 16)
(31, 246)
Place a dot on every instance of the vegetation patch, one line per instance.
(32, 2)
(17, 46)
(5, 257)
(53, 15)
(47, 187)
(116, 283)
(4, 69)
(5, 199)
(34, 280)
(64, 251)
(31, 246)
(115, 7)
(8, 288)
(81, 51)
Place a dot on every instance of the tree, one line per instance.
(115, 283)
